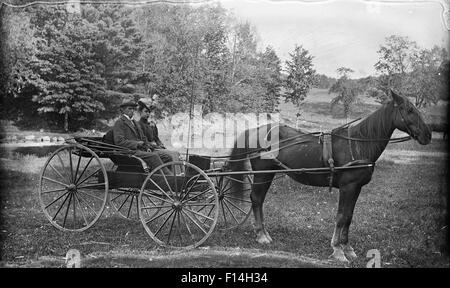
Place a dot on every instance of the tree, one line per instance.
(301, 75)
(423, 83)
(347, 90)
(410, 70)
(72, 85)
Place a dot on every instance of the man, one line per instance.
(151, 133)
(127, 133)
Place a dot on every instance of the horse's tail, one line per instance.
(239, 161)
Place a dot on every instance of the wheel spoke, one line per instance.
(165, 180)
(91, 185)
(71, 165)
(67, 210)
(56, 171)
(78, 167)
(171, 226)
(55, 181)
(90, 175)
(131, 204)
(156, 217)
(235, 206)
(154, 183)
(238, 199)
(51, 203)
(81, 209)
(223, 213)
(59, 209)
(87, 194)
(199, 214)
(201, 193)
(199, 204)
(54, 190)
(87, 203)
(62, 162)
(187, 225)
(175, 178)
(195, 222)
(123, 203)
(84, 170)
(154, 196)
(157, 207)
(229, 210)
(164, 223)
(190, 187)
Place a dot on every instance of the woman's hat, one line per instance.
(128, 103)
(146, 103)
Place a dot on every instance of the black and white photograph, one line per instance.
(263, 134)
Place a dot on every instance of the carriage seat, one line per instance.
(125, 163)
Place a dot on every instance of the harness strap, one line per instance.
(350, 143)
(327, 155)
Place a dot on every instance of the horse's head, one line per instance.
(408, 119)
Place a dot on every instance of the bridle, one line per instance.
(410, 132)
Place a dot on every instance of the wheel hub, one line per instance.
(72, 188)
(177, 205)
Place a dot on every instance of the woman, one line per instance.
(151, 133)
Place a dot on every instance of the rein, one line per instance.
(392, 140)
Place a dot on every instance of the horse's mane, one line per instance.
(377, 125)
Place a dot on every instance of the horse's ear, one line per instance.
(397, 98)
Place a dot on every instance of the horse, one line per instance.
(359, 143)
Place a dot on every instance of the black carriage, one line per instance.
(181, 209)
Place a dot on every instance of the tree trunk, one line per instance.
(66, 122)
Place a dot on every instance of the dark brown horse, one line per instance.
(354, 144)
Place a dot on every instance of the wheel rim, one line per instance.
(73, 188)
(234, 208)
(178, 211)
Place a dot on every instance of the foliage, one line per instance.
(301, 75)
(70, 68)
(411, 70)
(347, 90)
(324, 82)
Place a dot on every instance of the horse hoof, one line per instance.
(339, 255)
(350, 253)
(268, 236)
(263, 239)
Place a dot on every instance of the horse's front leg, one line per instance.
(257, 196)
(347, 199)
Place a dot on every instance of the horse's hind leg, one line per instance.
(347, 199)
(257, 196)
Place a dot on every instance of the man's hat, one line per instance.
(146, 103)
(127, 103)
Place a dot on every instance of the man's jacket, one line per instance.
(127, 133)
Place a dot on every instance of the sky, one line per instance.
(341, 33)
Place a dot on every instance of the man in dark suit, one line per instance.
(151, 133)
(128, 133)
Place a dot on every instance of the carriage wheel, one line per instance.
(179, 210)
(235, 207)
(125, 202)
(73, 188)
